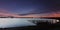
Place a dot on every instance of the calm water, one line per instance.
(16, 22)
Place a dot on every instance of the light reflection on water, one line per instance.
(17, 22)
(14, 22)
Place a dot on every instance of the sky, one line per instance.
(30, 7)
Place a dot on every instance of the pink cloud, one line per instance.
(7, 13)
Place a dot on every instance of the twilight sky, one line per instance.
(30, 7)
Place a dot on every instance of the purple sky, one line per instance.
(26, 7)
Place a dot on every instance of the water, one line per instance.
(14, 22)
(17, 22)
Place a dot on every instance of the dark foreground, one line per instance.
(40, 26)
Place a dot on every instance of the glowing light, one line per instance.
(57, 20)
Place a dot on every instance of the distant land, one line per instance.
(30, 17)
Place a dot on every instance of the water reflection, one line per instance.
(19, 22)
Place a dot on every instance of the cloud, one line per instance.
(6, 13)
(54, 14)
